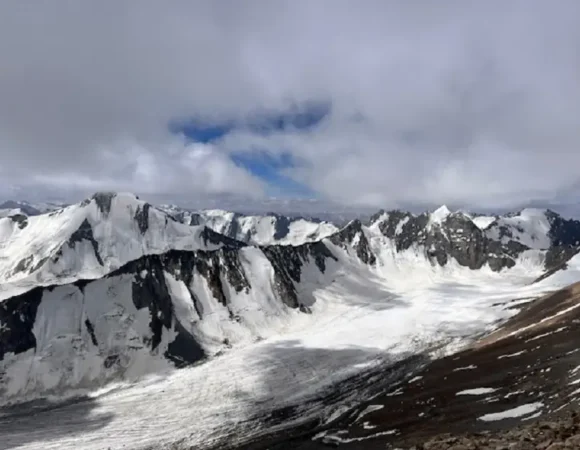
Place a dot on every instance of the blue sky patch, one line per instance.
(264, 165)
(301, 118)
(269, 168)
(199, 132)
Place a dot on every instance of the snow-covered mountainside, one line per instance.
(257, 229)
(176, 307)
(135, 292)
(89, 239)
(497, 242)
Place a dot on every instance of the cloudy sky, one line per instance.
(379, 103)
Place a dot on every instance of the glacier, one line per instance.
(259, 328)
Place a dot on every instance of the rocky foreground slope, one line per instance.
(516, 388)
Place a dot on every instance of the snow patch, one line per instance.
(522, 410)
(512, 355)
(369, 409)
(477, 391)
(471, 367)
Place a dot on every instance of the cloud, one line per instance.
(467, 103)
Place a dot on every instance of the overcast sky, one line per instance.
(457, 102)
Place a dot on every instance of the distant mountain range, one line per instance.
(114, 287)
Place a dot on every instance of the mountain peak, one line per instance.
(440, 214)
(104, 200)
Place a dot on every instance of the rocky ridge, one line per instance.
(444, 236)
(265, 229)
(92, 238)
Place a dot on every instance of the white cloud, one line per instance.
(460, 102)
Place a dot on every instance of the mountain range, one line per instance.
(115, 289)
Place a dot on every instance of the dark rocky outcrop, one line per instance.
(142, 217)
(288, 262)
(27, 264)
(234, 228)
(194, 219)
(406, 229)
(353, 235)
(103, 200)
(455, 237)
(84, 232)
(211, 237)
(91, 330)
(20, 219)
(563, 232)
(17, 316)
(282, 226)
(150, 291)
(564, 243)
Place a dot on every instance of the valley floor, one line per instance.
(488, 396)
(327, 363)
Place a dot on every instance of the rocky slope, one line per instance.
(558, 433)
(489, 395)
(497, 242)
(516, 388)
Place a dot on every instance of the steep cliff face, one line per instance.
(445, 236)
(289, 269)
(156, 312)
(354, 236)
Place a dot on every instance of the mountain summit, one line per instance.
(92, 238)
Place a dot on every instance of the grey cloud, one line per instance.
(459, 102)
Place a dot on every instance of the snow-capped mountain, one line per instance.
(474, 242)
(12, 208)
(91, 238)
(264, 229)
(180, 306)
(134, 291)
